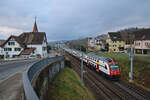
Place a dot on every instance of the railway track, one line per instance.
(134, 90)
(104, 88)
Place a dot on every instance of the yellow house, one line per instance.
(115, 42)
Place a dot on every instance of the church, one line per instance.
(26, 45)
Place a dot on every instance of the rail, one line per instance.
(33, 71)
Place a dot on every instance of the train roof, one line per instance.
(91, 55)
(100, 57)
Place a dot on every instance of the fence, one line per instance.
(38, 76)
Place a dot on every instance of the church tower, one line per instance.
(35, 29)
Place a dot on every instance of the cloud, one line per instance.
(72, 19)
(5, 32)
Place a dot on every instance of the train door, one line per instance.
(87, 61)
(97, 66)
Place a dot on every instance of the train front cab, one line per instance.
(114, 71)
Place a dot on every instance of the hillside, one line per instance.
(67, 86)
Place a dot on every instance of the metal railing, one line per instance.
(31, 73)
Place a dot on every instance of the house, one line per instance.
(26, 45)
(115, 42)
(128, 41)
(91, 43)
(100, 44)
(12, 47)
(142, 41)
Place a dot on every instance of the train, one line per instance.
(103, 65)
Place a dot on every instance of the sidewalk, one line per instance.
(11, 88)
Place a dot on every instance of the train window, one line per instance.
(105, 67)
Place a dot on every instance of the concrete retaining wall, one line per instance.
(37, 79)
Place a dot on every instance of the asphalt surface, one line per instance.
(9, 68)
(11, 78)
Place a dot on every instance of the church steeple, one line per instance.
(35, 29)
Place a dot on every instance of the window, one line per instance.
(7, 49)
(17, 49)
(44, 48)
(105, 67)
(7, 56)
(114, 49)
(11, 43)
(145, 43)
(114, 45)
(114, 67)
(14, 56)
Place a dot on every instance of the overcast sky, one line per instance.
(72, 19)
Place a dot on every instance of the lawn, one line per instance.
(141, 67)
(67, 86)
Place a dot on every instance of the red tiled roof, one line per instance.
(27, 51)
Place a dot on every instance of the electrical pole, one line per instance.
(131, 63)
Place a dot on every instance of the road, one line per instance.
(11, 78)
(9, 68)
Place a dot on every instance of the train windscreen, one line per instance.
(114, 67)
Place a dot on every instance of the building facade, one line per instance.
(115, 42)
(100, 44)
(142, 41)
(91, 43)
(11, 47)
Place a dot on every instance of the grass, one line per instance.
(141, 67)
(67, 86)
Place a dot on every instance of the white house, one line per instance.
(12, 47)
(26, 45)
(142, 41)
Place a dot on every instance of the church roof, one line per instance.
(32, 37)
